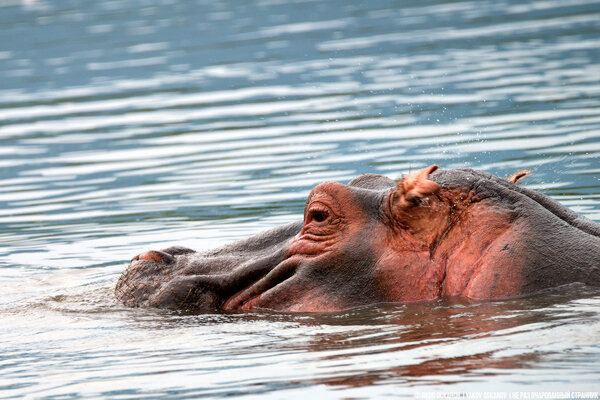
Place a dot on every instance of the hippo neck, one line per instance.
(513, 243)
(568, 216)
(477, 184)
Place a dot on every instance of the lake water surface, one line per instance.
(128, 125)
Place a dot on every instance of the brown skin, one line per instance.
(432, 234)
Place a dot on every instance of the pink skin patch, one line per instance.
(446, 244)
(153, 255)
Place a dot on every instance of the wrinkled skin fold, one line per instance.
(434, 233)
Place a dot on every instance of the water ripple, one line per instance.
(128, 125)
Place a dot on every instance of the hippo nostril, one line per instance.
(154, 255)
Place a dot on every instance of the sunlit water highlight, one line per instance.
(141, 124)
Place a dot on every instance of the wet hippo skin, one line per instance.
(434, 233)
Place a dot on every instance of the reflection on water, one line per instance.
(128, 125)
(377, 350)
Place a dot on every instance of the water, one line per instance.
(141, 124)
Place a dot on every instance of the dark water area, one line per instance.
(142, 124)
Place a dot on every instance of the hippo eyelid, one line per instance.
(318, 212)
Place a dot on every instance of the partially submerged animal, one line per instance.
(434, 233)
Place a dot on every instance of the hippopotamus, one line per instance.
(432, 234)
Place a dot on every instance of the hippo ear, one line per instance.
(415, 186)
(518, 175)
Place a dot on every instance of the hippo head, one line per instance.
(374, 240)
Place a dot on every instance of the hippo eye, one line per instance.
(320, 216)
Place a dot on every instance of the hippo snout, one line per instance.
(153, 280)
(180, 278)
